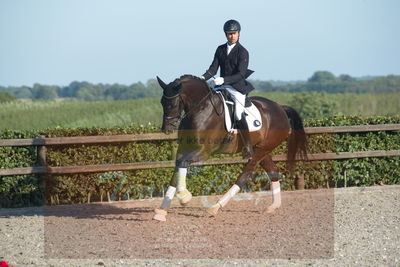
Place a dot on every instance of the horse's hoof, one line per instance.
(213, 211)
(184, 204)
(160, 215)
(184, 197)
(271, 209)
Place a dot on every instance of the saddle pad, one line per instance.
(253, 117)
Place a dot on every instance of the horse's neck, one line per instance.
(204, 108)
(194, 96)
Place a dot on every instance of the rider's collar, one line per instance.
(230, 47)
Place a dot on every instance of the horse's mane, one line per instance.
(187, 77)
(176, 85)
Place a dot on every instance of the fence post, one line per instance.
(299, 182)
(42, 162)
(41, 156)
(174, 150)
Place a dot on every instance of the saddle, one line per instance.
(252, 114)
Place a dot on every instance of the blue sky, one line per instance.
(126, 41)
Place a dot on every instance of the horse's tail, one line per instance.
(297, 140)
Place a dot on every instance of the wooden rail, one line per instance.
(171, 163)
(161, 136)
(43, 142)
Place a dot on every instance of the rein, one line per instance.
(180, 117)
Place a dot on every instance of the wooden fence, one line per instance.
(42, 167)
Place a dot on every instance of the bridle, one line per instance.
(180, 116)
(180, 102)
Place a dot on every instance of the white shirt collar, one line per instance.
(230, 47)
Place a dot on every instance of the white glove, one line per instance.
(202, 77)
(219, 81)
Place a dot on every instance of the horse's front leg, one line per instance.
(183, 195)
(240, 182)
(178, 183)
(177, 186)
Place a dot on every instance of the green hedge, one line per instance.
(19, 190)
(64, 189)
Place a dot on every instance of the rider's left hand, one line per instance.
(219, 81)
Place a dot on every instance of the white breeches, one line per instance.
(239, 99)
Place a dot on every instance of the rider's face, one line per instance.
(232, 37)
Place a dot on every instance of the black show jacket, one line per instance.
(234, 67)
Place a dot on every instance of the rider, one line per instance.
(233, 59)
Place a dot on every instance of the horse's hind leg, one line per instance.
(272, 171)
(240, 182)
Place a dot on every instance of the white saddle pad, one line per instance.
(253, 117)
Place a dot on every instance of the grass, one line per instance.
(108, 114)
(50, 115)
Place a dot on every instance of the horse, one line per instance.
(196, 111)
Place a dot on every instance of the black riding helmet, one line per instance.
(232, 26)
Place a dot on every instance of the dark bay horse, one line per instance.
(198, 109)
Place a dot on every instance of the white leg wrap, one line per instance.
(228, 195)
(169, 195)
(181, 179)
(276, 193)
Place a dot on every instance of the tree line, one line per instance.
(320, 81)
(326, 82)
(82, 91)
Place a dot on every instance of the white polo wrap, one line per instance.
(169, 195)
(228, 195)
(181, 179)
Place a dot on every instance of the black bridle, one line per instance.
(180, 102)
(180, 116)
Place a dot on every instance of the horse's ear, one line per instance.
(161, 83)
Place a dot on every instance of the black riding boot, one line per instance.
(244, 133)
